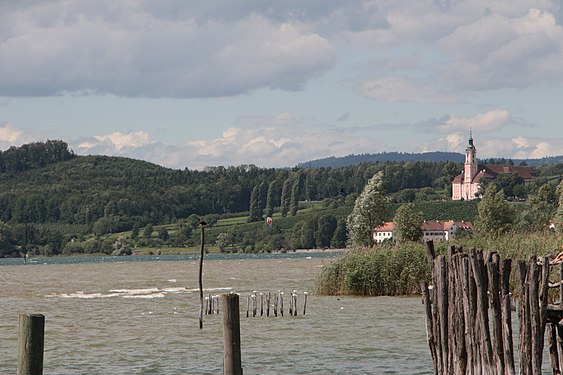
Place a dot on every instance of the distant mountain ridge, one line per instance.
(435, 156)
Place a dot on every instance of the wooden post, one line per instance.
(231, 335)
(202, 223)
(508, 342)
(305, 302)
(429, 324)
(281, 303)
(30, 344)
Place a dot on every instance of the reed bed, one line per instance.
(397, 270)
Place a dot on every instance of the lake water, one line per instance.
(139, 315)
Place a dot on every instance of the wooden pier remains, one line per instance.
(469, 314)
(262, 304)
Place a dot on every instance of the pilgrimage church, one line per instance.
(466, 185)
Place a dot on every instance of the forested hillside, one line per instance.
(50, 197)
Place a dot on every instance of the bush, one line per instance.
(376, 271)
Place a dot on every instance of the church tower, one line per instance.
(470, 167)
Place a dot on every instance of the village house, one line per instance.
(466, 185)
(431, 230)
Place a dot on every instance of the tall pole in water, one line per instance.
(202, 223)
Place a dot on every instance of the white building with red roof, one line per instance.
(466, 185)
(431, 230)
(383, 232)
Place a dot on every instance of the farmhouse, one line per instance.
(466, 185)
(431, 230)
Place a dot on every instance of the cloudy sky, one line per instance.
(186, 83)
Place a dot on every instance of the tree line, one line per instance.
(59, 196)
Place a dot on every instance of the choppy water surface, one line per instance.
(141, 317)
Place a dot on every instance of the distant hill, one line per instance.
(350, 160)
(436, 156)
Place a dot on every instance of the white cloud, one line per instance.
(521, 142)
(9, 134)
(130, 49)
(500, 50)
(497, 147)
(396, 89)
(131, 139)
(483, 123)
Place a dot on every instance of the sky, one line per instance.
(190, 84)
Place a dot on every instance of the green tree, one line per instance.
(163, 234)
(495, 216)
(325, 230)
(407, 223)
(271, 198)
(286, 196)
(6, 247)
(255, 210)
(370, 211)
(340, 236)
(536, 215)
(295, 195)
(559, 215)
(308, 230)
(147, 232)
(135, 231)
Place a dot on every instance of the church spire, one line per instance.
(470, 168)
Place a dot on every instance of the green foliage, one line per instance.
(326, 227)
(495, 215)
(559, 215)
(397, 270)
(147, 232)
(370, 211)
(255, 210)
(407, 223)
(340, 236)
(376, 271)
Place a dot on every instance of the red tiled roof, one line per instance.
(464, 225)
(386, 227)
(432, 226)
(527, 173)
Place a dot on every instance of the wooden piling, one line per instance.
(281, 303)
(468, 315)
(200, 275)
(305, 302)
(231, 335)
(31, 344)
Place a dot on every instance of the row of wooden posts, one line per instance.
(468, 314)
(262, 304)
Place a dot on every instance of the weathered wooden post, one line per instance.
(202, 223)
(231, 335)
(305, 302)
(30, 344)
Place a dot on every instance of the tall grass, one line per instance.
(375, 272)
(397, 270)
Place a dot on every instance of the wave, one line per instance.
(135, 293)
